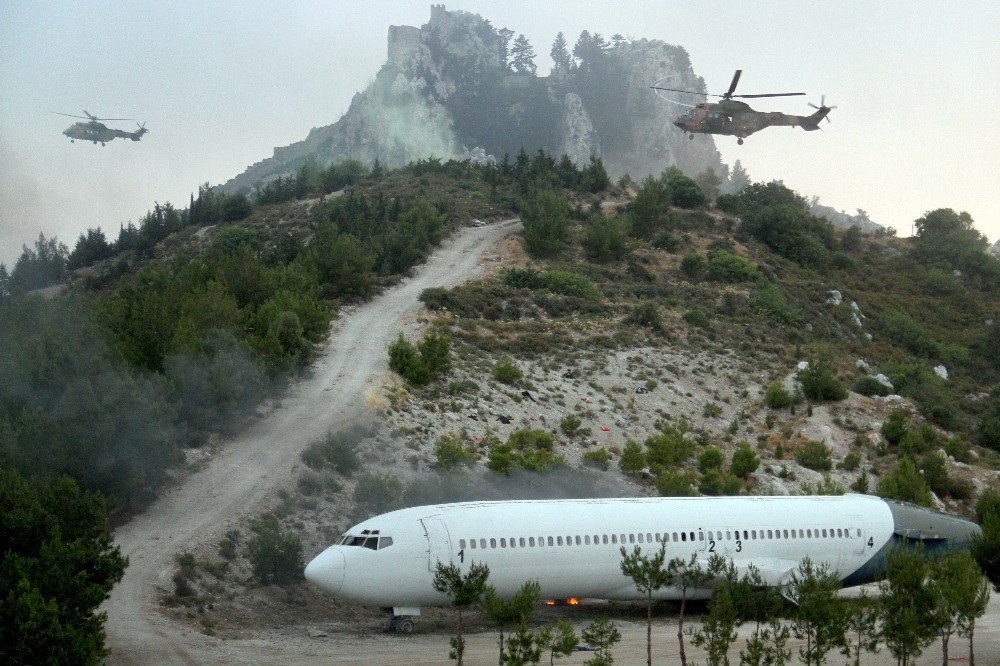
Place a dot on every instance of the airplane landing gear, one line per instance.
(400, 624)
(402, 619)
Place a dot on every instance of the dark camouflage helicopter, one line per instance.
(98, 132)
(737, 118)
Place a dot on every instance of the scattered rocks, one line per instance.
(941, 371)
(835, 297)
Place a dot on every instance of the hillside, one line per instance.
(628, 341)
(457, 87)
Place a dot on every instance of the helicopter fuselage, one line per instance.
(737, 119)
(96, 132)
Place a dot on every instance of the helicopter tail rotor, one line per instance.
(811, 122)
(823, 107)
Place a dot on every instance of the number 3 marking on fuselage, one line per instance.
(739, 546)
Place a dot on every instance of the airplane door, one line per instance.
(438, 541)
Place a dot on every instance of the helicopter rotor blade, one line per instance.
(69, 115)
(732, 86)
(771, 95)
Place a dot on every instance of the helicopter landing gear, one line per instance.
(739, 142)
(102, 144)
(72, 141)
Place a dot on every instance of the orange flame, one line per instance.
(573, 601)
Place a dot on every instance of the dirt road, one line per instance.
(240, 479)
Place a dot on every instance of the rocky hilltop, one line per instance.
(457, 87)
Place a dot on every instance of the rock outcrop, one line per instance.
(448, 89)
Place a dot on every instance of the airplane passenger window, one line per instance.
(692, 535)
(727, 535)
(640, 537)
(461, 543)
(770, 535)
(824, 533)
(786, 533)
(623, 538)
(472, 543)
(559, 541)
(675, 537)
(809, 534)
(604, 538)
(577, 539)
(597, 539)
(746, 535)
(503, 543)
(800, 534)
(753, 534)
(531, 541)
(569, 541)
(522, 543)
(586, 539)
(718, 535)
(493, 543)
(614, 538)
(859, 531)
(684, 536)
(384, 542)
(649, 538)
(840, 532)
(701, 535)
(551, 541)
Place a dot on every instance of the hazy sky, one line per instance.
(221, 83)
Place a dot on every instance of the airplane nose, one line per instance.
(326, 570)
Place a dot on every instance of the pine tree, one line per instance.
(523, 56)
(648, 576)
(560, 54)
(738, 179)
(462, 591)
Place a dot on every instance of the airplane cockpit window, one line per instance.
(369, 539)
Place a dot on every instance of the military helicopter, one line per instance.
(737, 118)
(96, 131)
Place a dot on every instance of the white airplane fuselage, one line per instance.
(572, 547)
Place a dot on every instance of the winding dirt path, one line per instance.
(238, 481)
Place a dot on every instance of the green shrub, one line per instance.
(819, 381)
(771, 301)
(711, 410)
(676, 483)
(868, 385)
(696, 318)
(905, 483)
(716, 482)
(528, 439)
(570, 424)
(777, 396)
(692, 264)
(645, 314)
(745, 461)
(909, 335)
(727, 267)
(919, 439)
(597, 458)
(276, 557)
(604, 240)
(667, 240)
(451, 451)
(632, 460)
(404, 360)
(670, 449)
(895, 426)
(850, 462)
(377, 493)
(815, 455)
(709, 459)
(506, 371)
(570, 284)
(545, 220)
(337, 450)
